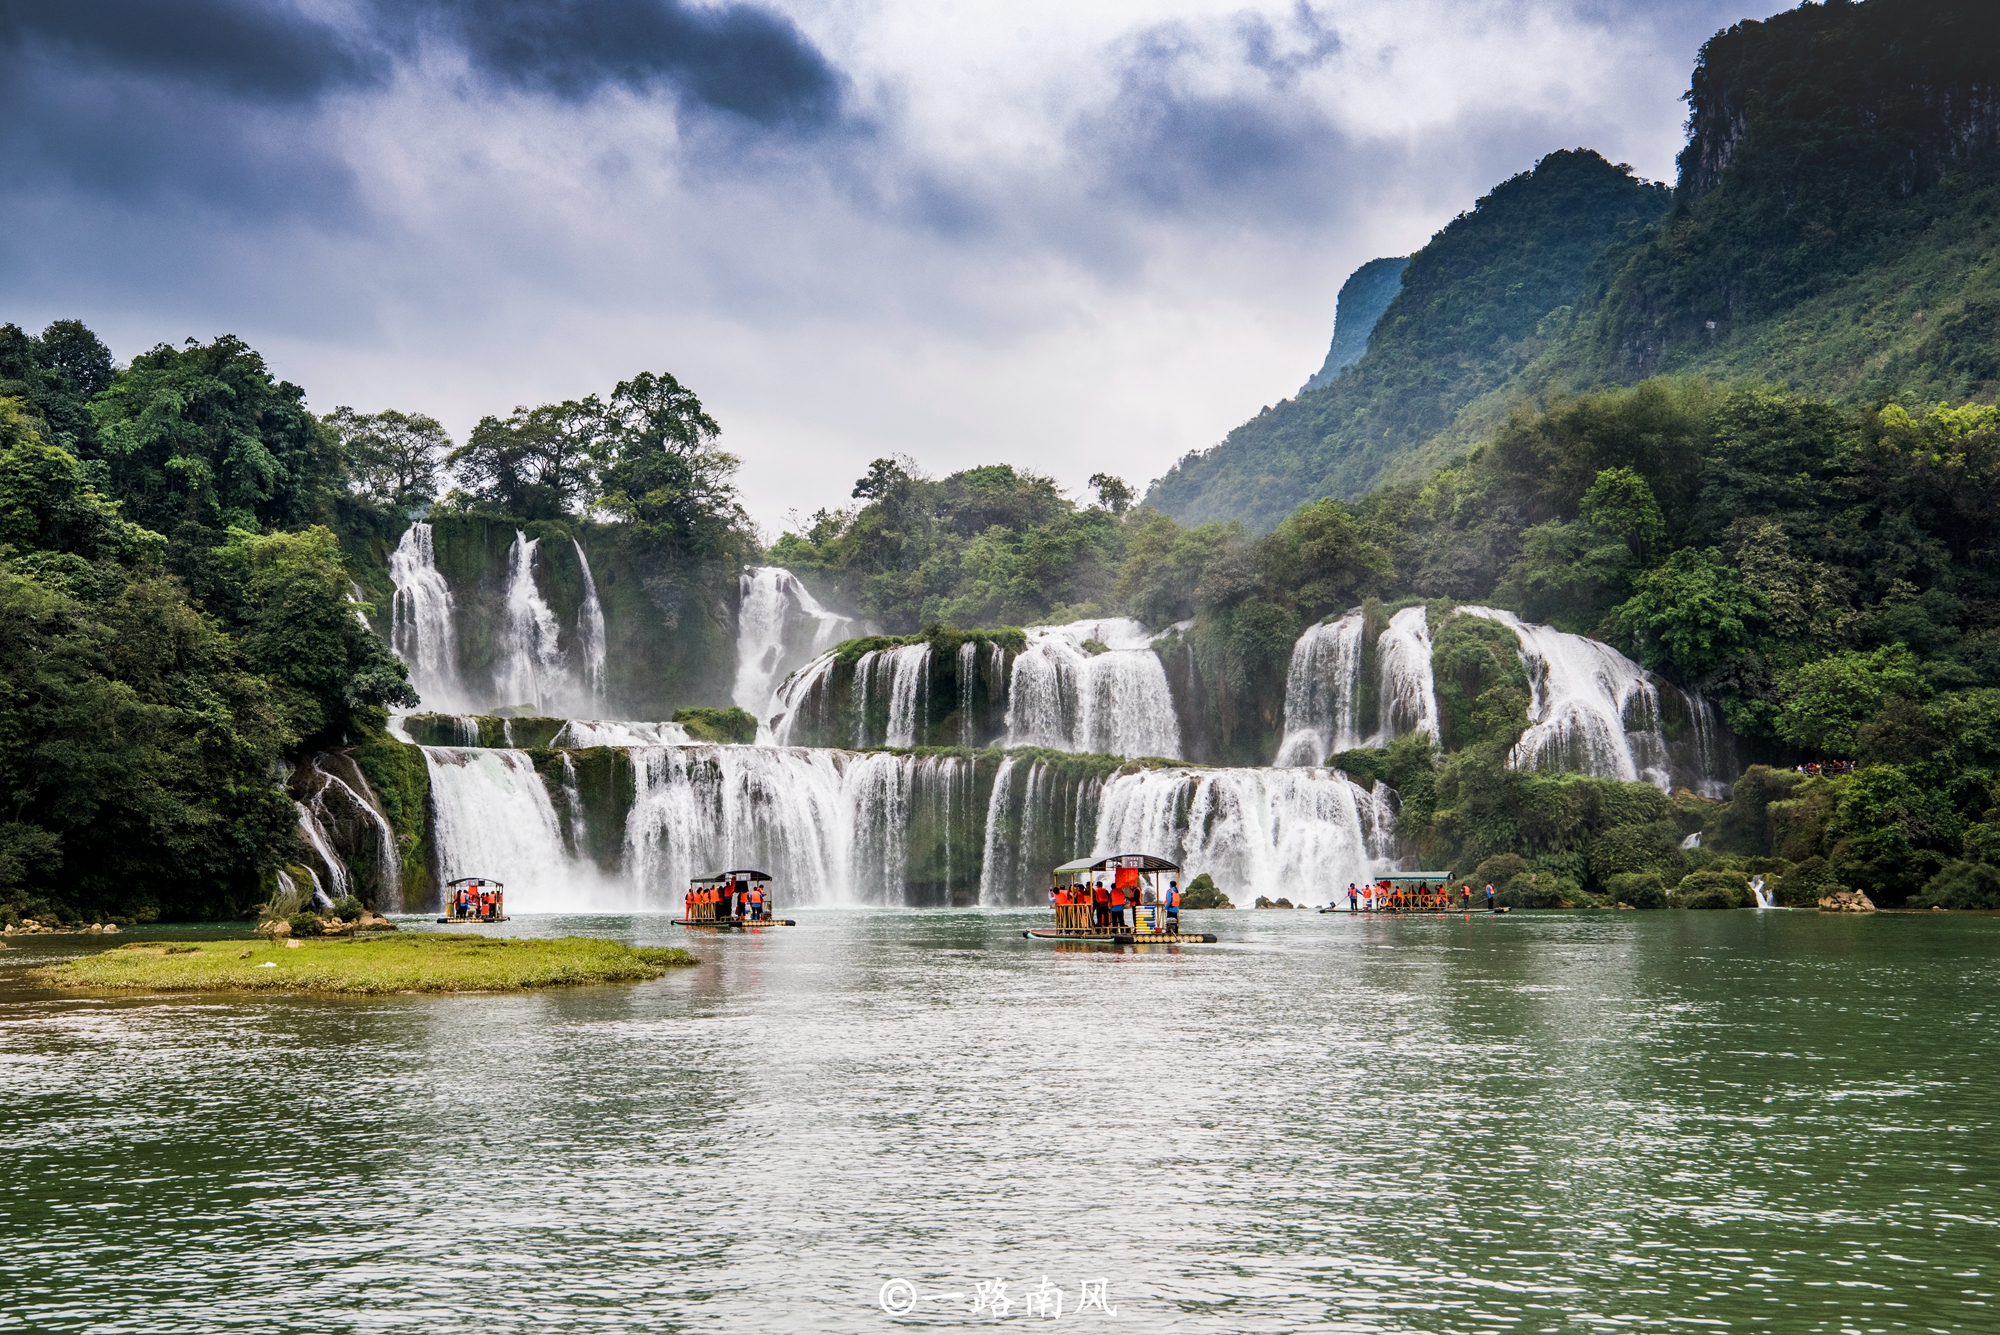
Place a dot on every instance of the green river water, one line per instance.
(1642, 1121)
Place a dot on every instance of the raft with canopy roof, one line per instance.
(731, 901)
(1125, 899)
(471, 899)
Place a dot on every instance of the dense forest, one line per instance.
(1833, 230)
(176, 601)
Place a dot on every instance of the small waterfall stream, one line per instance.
(590, 641)
(421, 630)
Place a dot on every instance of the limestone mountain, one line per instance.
(1833, 228)
(1363, 297)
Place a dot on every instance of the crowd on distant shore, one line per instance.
(1827, 767)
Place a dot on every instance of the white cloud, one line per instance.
(1076, 238)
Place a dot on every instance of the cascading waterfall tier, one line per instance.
(840, 827)
(1302, 834)
(1594, 711)
(1093, 686)
(420, 620)
(1324, 705)
(1321, 686)
(780, 627)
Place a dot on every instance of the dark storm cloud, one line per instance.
(1171, 141)
(232, 46)
(737, 58)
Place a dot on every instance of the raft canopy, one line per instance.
(483, 882)
(1142, 861)
(731, 877)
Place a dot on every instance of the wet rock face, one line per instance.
(1846, 901)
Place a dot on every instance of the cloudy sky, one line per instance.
(1078, 238)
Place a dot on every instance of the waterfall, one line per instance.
(590, 629)
(1765, 900)
(359, 601)
(1297, 833)
(585, 733)
(1114, 701)
(494, 818)
(968, 683)
(909, 693)
(807, 687)
(531, 669)
(1591, 709)
(315, 834)
(780, 627)
(324, 822)
(1408, 696)
(1714, 748)
(420, 619)
(993, 881)
(1320, 689)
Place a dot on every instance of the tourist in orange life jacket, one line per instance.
(1173, 905)
(1100, 906)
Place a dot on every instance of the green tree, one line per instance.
(537, 463)
(393, 458)
(1689, 613)
(1113, 493)
(204, 434)
(663, 473)
(1621, 504)
(285, 596)
(1824, 703)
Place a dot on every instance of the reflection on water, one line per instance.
(1637, 1121)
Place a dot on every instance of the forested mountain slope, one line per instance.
(1472, 313)
(1833, 230)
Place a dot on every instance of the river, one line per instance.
(1638, 1121)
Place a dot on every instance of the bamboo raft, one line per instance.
(1136, 880)
(725, 902)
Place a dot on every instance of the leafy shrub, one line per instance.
(347, 909)
(284, 902)
(306, 924)
(718, 725)
(1498, 870)
(1962, 885)
(1713, 890)
(1541, 890)
(1802, 888)
(1202, 894)
(1652, 847)
(1982, 844)
(1640, 889)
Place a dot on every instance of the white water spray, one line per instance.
(590, 639)
(1296, 833)
(780, 627)
(1320, 691)
(1114, 701)
(420, 620)
(1408, 694)
(1591, 709)
(531, 669)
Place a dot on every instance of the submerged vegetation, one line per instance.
(409, 962)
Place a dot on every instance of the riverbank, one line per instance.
(415, 962)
